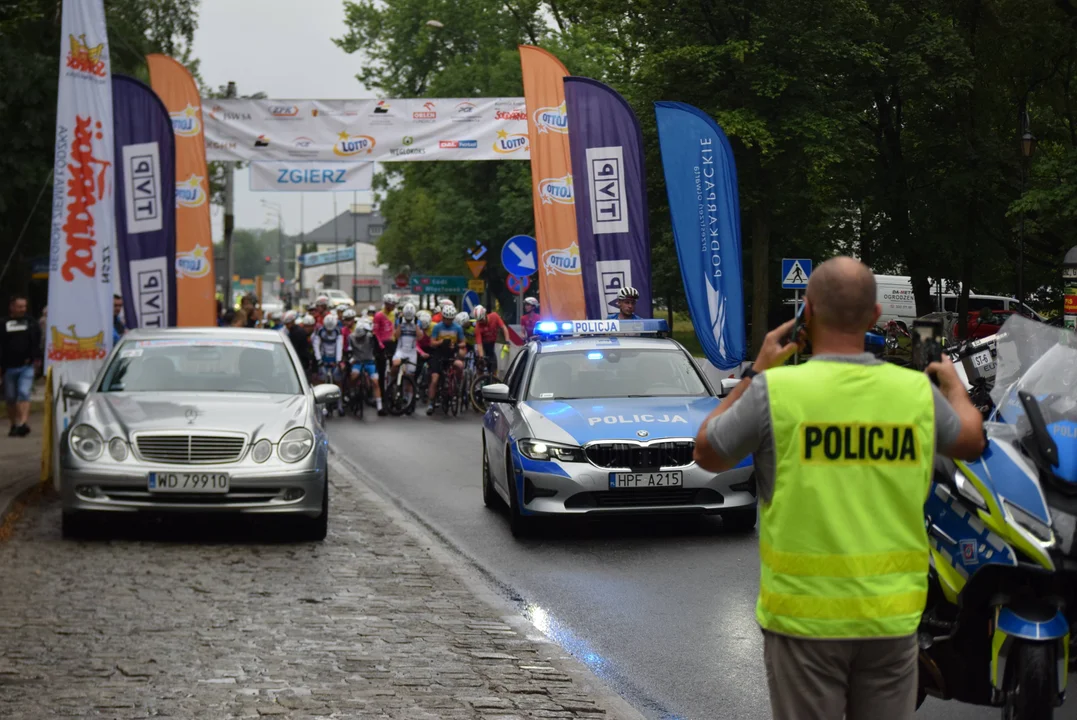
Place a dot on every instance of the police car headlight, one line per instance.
(539, 450)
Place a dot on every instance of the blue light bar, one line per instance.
(594, 355)
(550, 329)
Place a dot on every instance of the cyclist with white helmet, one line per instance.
(468, 345)
(626, 300)
(531, 316)
(488, 325)
(329, 351)
(384, 320)
(444, 337)
(321, 309)
(347, 323)
(406, 339)
(363, 346)
(423, 344)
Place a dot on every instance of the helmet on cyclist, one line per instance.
(330, 322)
(348, 314)
(371, 311)
(447, 312)
(389, 299)
(423, 317)
(409, 312)
(628, 293)
(322, 300)
(462, 319)
(340, 309)
(308, 320)
(290, 317)
(361, 329)
(479, 312)
(444, 303)
(531, 302)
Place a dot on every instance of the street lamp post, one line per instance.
(1028, 146)
(280, 237)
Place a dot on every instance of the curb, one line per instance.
(615, 706)
(10, 497)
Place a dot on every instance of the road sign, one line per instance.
(478, 286)
(518, 255)
(517, 285)
(477, 250)
(471, 299)
(431, 284)
(795, 273)
(476, 267)
(401, 280)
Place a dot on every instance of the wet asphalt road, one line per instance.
(661, 610)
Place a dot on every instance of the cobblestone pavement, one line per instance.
(177, 621)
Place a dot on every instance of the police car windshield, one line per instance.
(614, 372)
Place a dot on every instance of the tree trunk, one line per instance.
(760, 277)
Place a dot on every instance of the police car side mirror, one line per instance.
(498, 392)
(727, 386)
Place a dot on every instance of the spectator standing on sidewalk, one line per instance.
(118, 326)
(20, 356)
(842, 544)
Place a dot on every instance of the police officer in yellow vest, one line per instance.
(843, 448)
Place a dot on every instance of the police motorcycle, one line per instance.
(996, 628)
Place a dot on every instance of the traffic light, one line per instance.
(269, 259)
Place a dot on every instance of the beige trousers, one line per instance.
(831, 679)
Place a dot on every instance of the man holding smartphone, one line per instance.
(843, 447)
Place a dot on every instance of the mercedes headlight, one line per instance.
(295, 445)
(261, 451)
(1036, 527)
(86, 442)
(117, 448)
(539, 450)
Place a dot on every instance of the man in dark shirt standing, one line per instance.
(20, 354)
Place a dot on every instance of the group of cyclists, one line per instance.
(385, 352)
(367, 355)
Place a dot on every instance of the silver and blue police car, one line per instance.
(600, 417)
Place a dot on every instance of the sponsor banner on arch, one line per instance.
(385, 130)
(196, 303)
(82, 261)
(311, 176)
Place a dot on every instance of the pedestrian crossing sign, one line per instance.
(795, 273)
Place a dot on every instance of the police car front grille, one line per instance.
(629, 455)
(644, 498)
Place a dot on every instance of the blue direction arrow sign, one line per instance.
(795, 273)
(471, 299)
(519, 255)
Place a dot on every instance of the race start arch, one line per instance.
(363, 131)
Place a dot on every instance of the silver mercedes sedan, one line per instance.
(198, 420)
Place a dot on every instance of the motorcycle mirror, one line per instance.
(1048, 449)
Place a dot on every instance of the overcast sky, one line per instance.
(283, 48)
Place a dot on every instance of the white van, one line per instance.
(894, 293)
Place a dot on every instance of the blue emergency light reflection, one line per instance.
(594, 356)
(566, 326)
(547, 326)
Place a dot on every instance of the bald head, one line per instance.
(841, 292)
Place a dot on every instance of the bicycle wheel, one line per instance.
(478, 402)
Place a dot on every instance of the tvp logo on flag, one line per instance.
(142, 187)
(605, 172)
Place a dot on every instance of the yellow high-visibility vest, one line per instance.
(842, 543)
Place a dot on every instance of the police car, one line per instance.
(600, 417)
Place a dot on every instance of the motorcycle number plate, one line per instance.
(983, 360)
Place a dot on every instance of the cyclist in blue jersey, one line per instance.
(444, 337)
(626, 300)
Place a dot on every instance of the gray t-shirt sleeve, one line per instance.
(947, 423)
(740, 430)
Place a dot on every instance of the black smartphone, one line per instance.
(798, 325)
(927, 338)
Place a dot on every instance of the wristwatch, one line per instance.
(749, 373)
